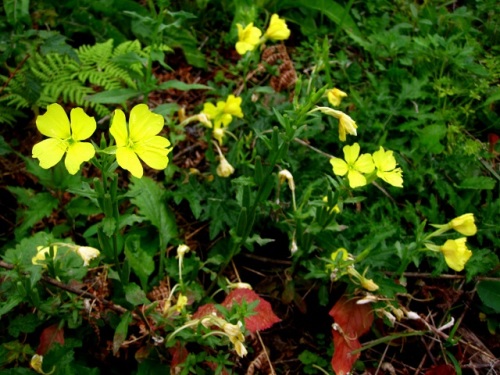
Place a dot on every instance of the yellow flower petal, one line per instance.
(209, 110)
(233, 106)
(394, 177)
(456, 253)
(278, 29)
(127, 159)
(49, 152)
(248, 38)
(340, 167)
(78, 153)
(351, 153)
(356, 179)
(118, 128)
(87, 254)
(335, 96)
(143, 123)
(384, 160)
(82, 125)
(54, 123)
(364, 164)
(154, 152)
(464, 224)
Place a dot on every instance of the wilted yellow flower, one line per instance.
(353, 165)
(139, 140)
(285, 175)
(87, 253)
(346, 124)
(385, 163)
(42, 251)
(464, 224)
(456, 253)
(248, 38)
(278, 29)
(182, 250)
(335, 96)
(181, 302)
(368, 284)
(64, 138)
(36, 364)
(224, 169)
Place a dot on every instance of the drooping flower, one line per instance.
(278, 29)
(385, 163)
(140, 140)
(65, 137)
(224, 169)
(87, 254)
(353, 165)
(335, 96)
(456, 253)
(464, 224)
(248, 38)
(42, 252)
(346, 124)
(222, 115)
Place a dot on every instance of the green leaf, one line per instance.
(430, 137)
(135, 295)
(8, 305)
(116, 96)
(478, 183)
(38, 206)
(141, 262)
(121, 332)
(17, 11)
(149, 197)
(489, 292)
(179, 85)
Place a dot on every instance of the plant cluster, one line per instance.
(332, 163)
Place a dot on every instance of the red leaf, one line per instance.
(352, 318)
(441, 370)
(48, 337)
(204, 310)
(179, 354)
(353, 321)
(343, 359)
(263, 316)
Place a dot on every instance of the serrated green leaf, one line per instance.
(489, 292)
(478, 183)
(150, 199)
(141, 262)
(17, 11)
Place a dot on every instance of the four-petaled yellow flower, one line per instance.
(222, 115)
(385, 163)
(464, 224)
(248, 38)
(64, 138)
(139, 140)
(277, 29)
(353, 165)
(335, 96)
(456, 253)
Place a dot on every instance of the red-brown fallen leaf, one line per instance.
(204, 310)
(343, 359)
(353, 321)
(441, 370)
(263, 316)
(179, 354)
(48, 337)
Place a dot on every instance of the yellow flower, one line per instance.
(64, 138)
(139, 140)
(224, 169)
(353, 166)
(456, 253)
(335, 96)
(222, 115)
(277, 30)
(36, 364)
(248, 38)
(87, 254)
(464, 224)
(385, 163)
(42, 251)
(285, 175)
(346, 124)
(368, 284)
(181, 302)
(335, 209)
